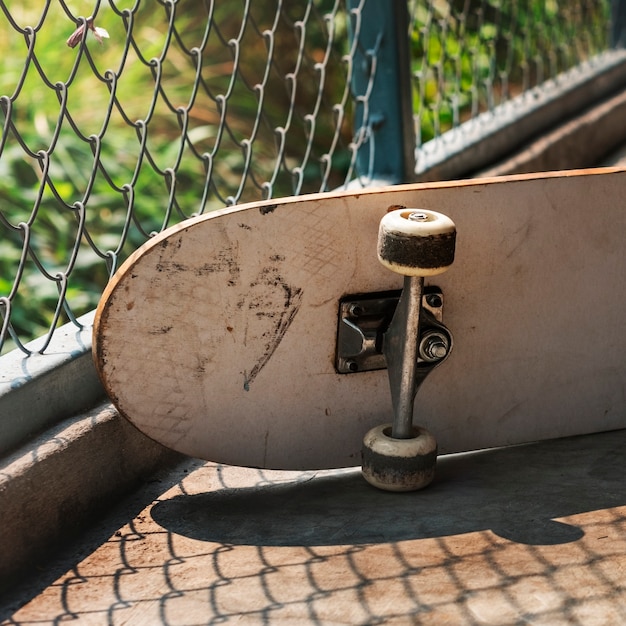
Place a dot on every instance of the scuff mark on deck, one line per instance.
(267, 436)
(272, 305)
(268, 208)
(285, 318)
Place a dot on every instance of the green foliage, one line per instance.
(470, 55)
(141, 134)
(105, 144)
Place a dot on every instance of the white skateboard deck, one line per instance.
(218, 337)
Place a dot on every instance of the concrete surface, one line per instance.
(39, 390)
(529, 534)
(59, 481)
(577, 143)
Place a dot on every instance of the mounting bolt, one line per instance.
(352, 365)
(434, 300)
(355, 310)
(434, 346)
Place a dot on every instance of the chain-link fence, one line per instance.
(472, 56)
(117, 125)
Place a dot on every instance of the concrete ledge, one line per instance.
(38, 390)
(53, 487)
(579, 143)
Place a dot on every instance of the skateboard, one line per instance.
(267, 335)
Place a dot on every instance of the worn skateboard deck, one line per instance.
(218, 337)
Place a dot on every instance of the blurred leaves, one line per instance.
(176, 113)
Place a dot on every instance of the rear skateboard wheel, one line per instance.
(399, 464)
(415, 242)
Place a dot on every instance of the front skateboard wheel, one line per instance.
(399, 464)
(415, 242)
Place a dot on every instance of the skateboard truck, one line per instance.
(415, 243)
(365, 319)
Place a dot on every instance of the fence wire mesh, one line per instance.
(121, 118)
(470, 56)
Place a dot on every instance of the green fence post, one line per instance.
(381, 83)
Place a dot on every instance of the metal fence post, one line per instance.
(382, 86)
(618, 23)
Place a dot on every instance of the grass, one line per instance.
(471, 55)
(107, 144)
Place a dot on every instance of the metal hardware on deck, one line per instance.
(364, 320)
(414, 344)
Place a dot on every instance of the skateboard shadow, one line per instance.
(516, 492)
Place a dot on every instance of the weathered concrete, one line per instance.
(581, 142)
(39, 390)
(530, 534)
(63, 479)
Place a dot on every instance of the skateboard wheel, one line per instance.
(415, 242)
(399, 464)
